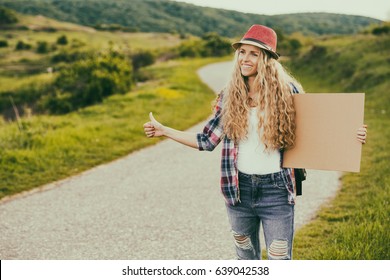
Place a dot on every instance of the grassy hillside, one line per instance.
(356, 224)
(171, 16)
(41, 27)
(31, 54)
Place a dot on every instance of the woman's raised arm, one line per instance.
(155, 129)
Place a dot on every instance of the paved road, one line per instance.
(162, 202)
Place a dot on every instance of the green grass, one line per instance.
(50, 148)
(11, 83)
(355, 225)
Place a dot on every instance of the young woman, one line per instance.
(255, 119)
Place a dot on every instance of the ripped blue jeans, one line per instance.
(264, 200)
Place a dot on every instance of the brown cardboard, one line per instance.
(326, 132)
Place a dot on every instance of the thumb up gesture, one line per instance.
(153, 128)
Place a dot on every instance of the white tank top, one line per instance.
(252, 157)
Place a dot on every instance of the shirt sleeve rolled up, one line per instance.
(212, 133)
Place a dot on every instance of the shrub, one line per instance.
(214, 45)
(57, 102)
(42, 47)
(211, 45)
(49, 29)
(20, 45)
(84, 82)
(7, 16)
(3, 43)
(385, 29)
(70, 56)
(295, 46)
(316, 52)
(88, 81)
(191, 48)
(142, 59)
(115, 27)
(62, 40)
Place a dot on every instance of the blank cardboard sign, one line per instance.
(326, 132)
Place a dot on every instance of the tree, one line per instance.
(62, 40)
(141, 59)
(295, 45)
(190, 48)
(20, 45)
(42, 47)
(3, 43)
(7, 16)
(215, 45)
(381, 30)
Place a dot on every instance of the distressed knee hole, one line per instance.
(278, 249)
(242, 241)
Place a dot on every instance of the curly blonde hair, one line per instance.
(276, 109)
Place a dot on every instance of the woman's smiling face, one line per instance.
(248, 58)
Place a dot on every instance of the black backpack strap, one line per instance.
(300, 175)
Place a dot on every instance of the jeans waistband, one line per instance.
(265, 177)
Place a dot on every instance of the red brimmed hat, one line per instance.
(260, 36)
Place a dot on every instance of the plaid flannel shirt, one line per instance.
(212, 135)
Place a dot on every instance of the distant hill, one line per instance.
(183, 18)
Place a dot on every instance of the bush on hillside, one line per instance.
(210, 45)
(295, 45)
(190, 48)
(380, 30)
(316, 53)
(43, 47)
(70, 56)
(62, 40)
(215, 46)
(7, 16)
(89, 81)
(115, 27)
(20, 45)
(3, 44)
(84, 79)
(142, 59)
(289, 47)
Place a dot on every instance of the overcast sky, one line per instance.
(379, 9)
